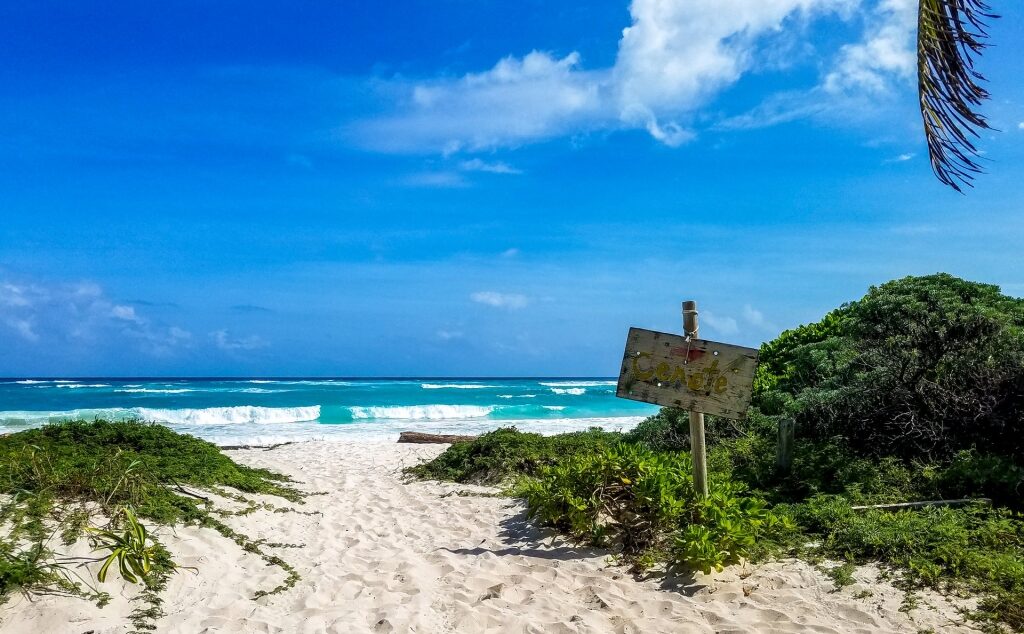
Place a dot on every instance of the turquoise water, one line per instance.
(247, 411)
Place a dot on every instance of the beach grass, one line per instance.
(59, 478)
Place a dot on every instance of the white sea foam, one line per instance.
(146, 390)
(455, 386)
(574, 391)
(230, 415)
(554, 408)
(387, 431)
(35, 381)
(517, 396)
(422, 412)
(78, 385)
(22, 418)
(578, 383)
(319, 382)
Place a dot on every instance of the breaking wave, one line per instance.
(579, 383)
(230, 415)
(574, 391)
(422, 412)
(455, 386)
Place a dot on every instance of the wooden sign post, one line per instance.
(697, 449)
(703, 377)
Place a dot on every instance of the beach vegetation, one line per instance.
(56, 479)
(914, 392)
(503, 455)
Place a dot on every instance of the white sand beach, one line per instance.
(386, 555)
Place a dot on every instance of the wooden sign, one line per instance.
(697, 375)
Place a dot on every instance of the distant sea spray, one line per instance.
(241, 411)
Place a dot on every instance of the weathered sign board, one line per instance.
(695, 374)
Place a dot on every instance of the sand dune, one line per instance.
(388, 556)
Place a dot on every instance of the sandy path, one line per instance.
(388, 556)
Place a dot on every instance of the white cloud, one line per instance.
(517, 101)
(885, 54)
(125, 313)
(80, 314)
(448, 335)
(510, 253)
(496, 167)
(720, 325)
(14, 296)
(442, 180)
(224, 341)
(901, 158)
(856, 84)
(24, 328)
(673, 59)
(756, 318)
(752, 315)
(1020, 126)
(500, 300)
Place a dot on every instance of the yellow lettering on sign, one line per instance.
(709, 379)
(643, 375)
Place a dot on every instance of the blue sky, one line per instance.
(467, 188)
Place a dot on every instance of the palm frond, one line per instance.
(951, 33)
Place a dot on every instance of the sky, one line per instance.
(455, 188)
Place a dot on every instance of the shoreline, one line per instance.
(383, 554)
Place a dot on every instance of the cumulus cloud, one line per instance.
(755, 318)
(223, 340)
(81, 314)
(500, 300)
(495, 167)
(517, 101)
(674, 58)
(720, 325)
(886, 52)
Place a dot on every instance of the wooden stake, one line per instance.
(784, 451)
(697, 449)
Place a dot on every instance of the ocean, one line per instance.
(265, 411)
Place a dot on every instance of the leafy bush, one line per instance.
(626, 493)
(669, 430)
(640, 500)
(51, 474)
(724, 527)
(508, 453)
(921, 366)
(980, 547)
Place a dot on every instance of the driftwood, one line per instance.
(263, 447)
(920, 505)
(421, 438)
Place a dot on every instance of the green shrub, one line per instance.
(980, 547)
(505, 454)
(52, 474)
(972, 474)
(639, 501)
(723, 528)
(668, 430)
(624, 493)
(919, 367)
